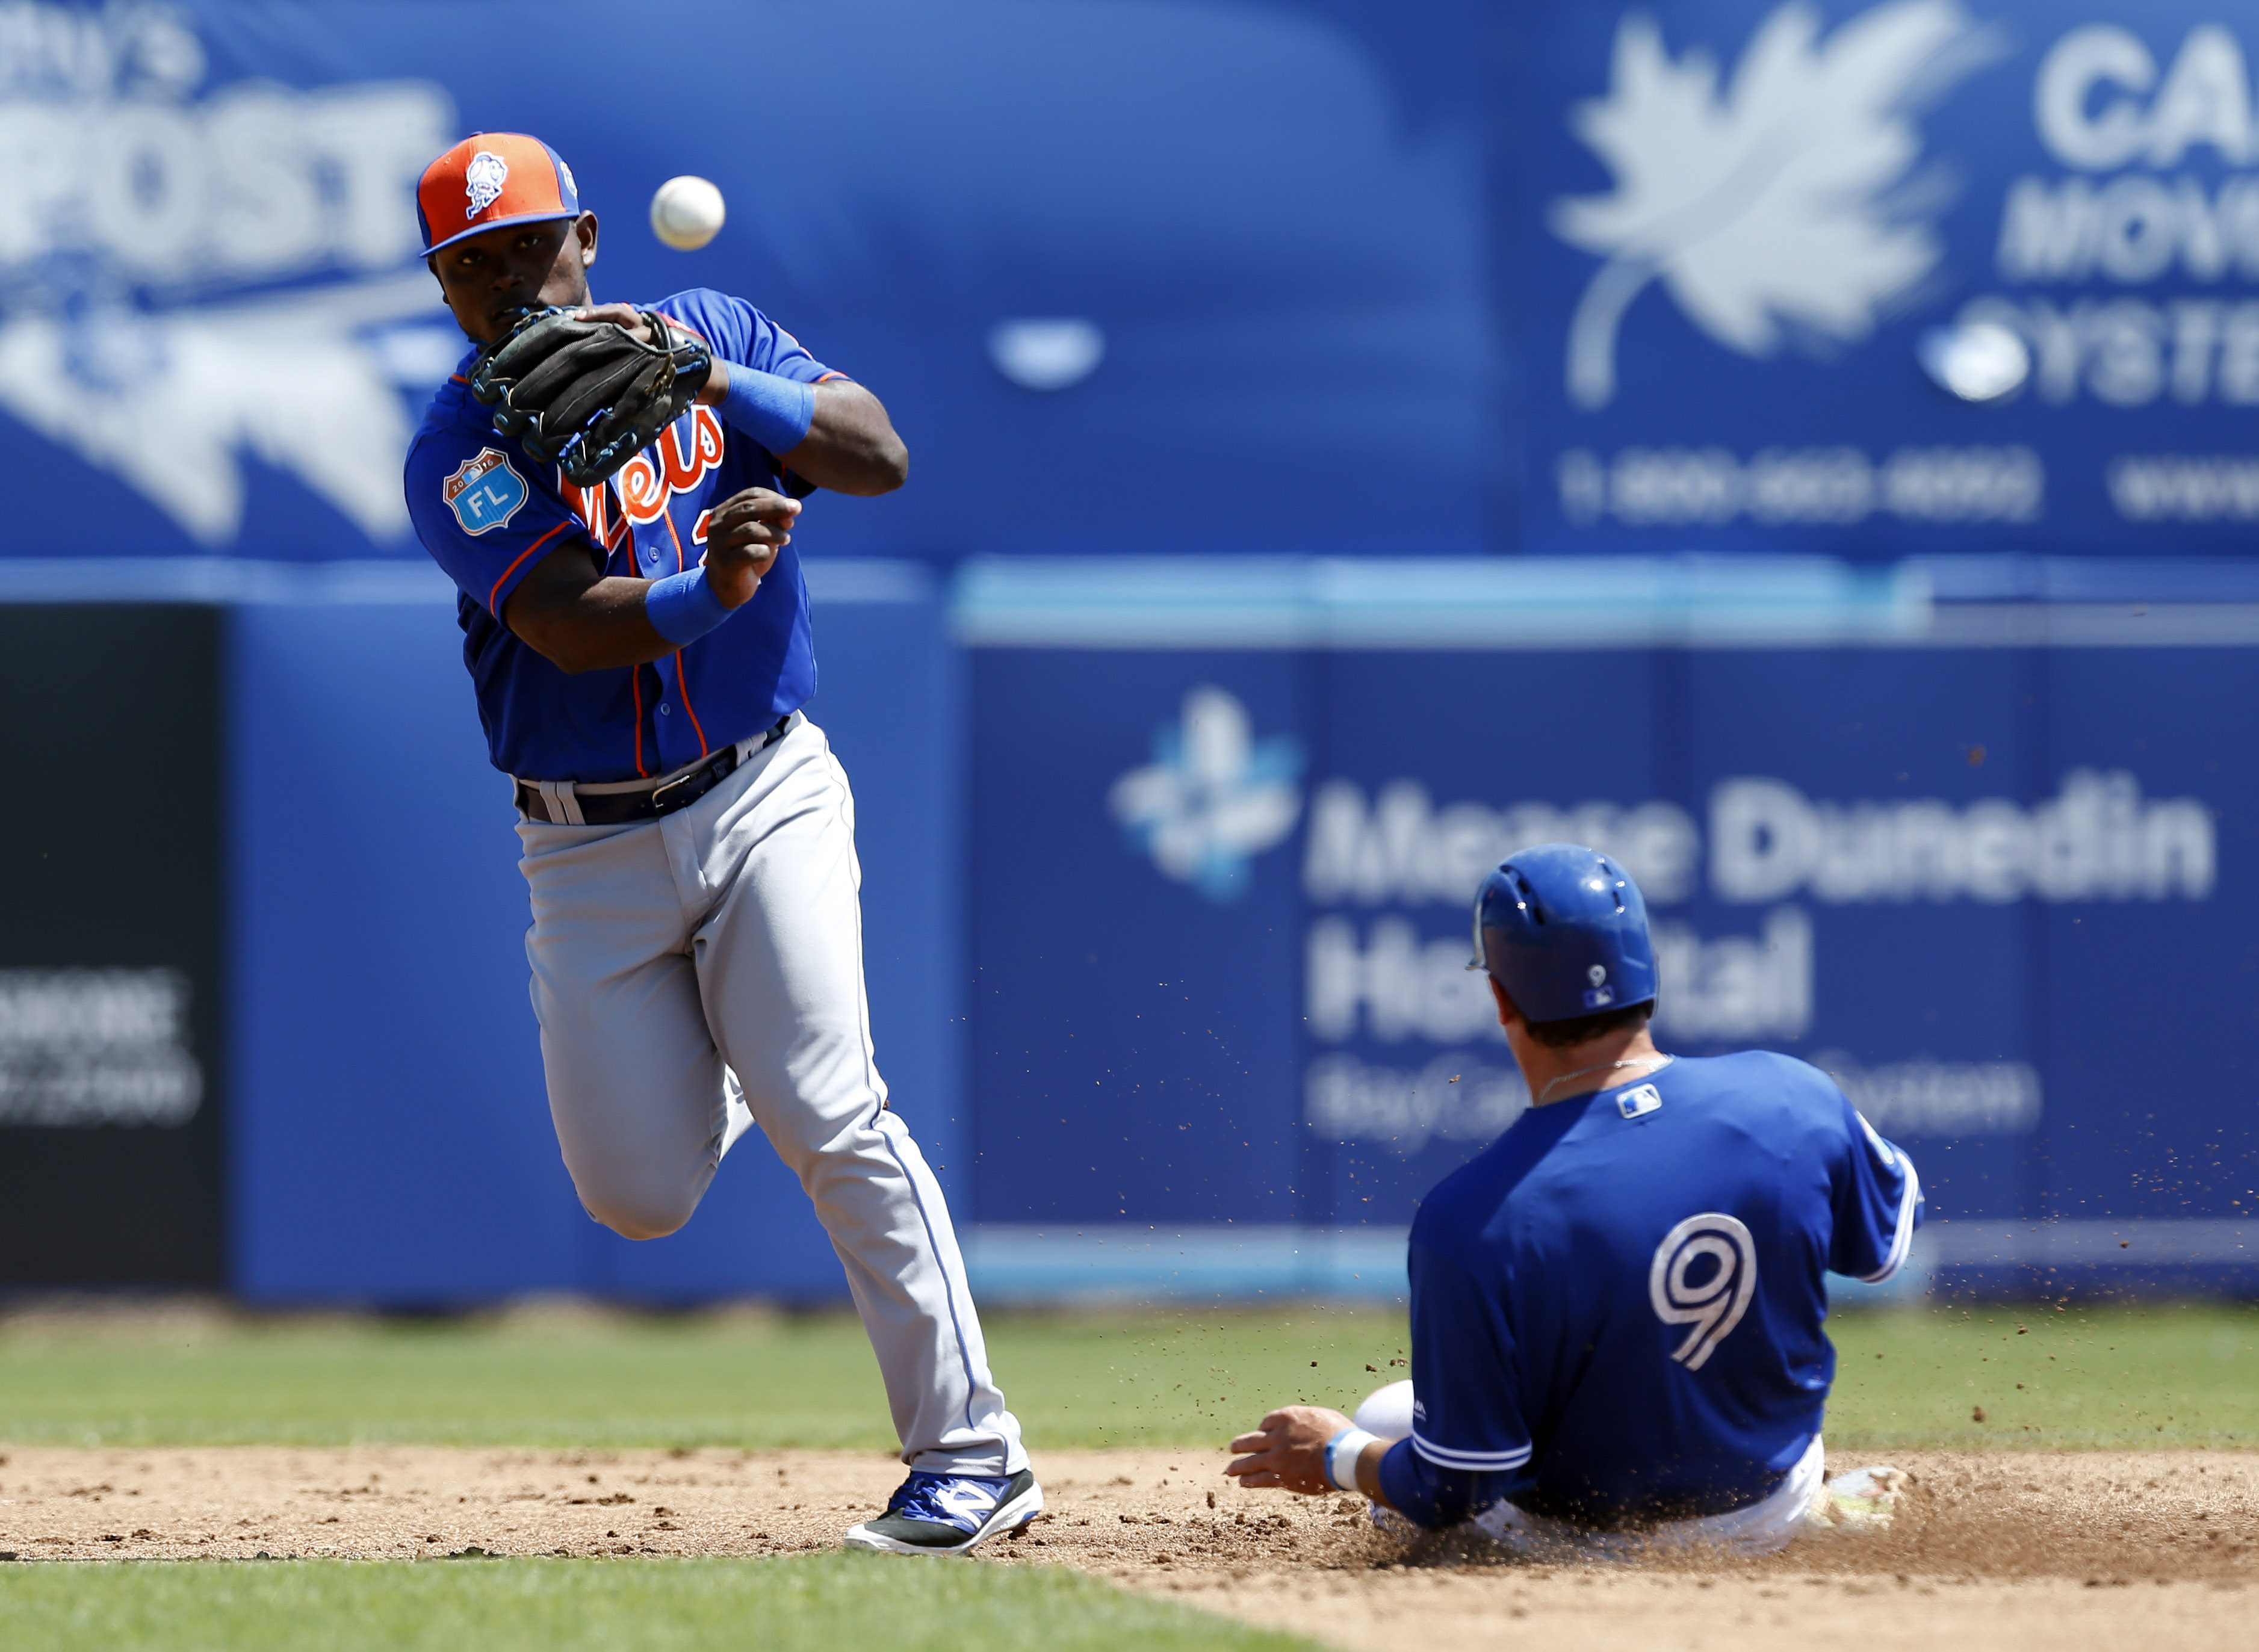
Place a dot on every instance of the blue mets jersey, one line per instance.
(488, 514)
(1616, 1306)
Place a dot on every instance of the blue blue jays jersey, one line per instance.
(488, 514)
(1616, 1306)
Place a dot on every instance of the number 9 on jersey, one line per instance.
(1703, 1274)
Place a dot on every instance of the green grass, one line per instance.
(1073, 1380)
(2186, 1375)
(2180, 1375)
(779, 1606)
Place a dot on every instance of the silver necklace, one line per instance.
(1605, 1066)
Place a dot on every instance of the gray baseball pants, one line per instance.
(703, 972)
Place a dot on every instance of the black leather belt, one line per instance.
(617, 808)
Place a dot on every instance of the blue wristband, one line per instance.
(682, 607)
(773, 410)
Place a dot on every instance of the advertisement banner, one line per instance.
(1222, 914)
(1878, 277)
(1886, 275)
(1029, 229)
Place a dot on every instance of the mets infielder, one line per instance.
(1616, 1306)
(641, 651)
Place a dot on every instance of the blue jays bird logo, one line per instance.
(484, 493)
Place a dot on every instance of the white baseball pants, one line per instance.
(1764, 1528)
(703, 972)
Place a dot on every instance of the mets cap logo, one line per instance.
(484, 492)
(483, 181)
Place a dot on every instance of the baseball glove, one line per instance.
(587, 395)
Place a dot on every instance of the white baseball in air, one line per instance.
(686, 213)
(1387, 1411)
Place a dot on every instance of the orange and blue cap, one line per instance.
(493, 178)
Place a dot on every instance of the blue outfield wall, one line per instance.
(391, 1139)
(1965, 829)
(1165, 874)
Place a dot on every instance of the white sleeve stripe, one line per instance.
(1903, 1239)
(1445, 1457)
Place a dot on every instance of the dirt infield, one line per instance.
(2010, 1550)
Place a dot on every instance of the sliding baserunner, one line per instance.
(1616, 1306)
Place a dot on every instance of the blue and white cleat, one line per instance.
(948, 1514)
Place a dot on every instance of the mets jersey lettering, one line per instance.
(649, 482)
(489, 514)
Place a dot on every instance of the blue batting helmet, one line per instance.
(1564, 931)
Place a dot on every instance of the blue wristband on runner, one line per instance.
(682, 607)
(773, 410)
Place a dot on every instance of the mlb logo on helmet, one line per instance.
(484, 492)
(493, 178)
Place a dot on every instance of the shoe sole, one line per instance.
(1008, 1517)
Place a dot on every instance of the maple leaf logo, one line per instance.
(1769, 206)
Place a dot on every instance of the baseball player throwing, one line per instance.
(1616, 1306)
(635, 623)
